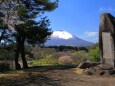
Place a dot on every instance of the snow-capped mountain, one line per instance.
(61, 37)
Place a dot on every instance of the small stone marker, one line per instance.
(108, 54)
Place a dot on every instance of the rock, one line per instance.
(88, 73)
(105, 67)
(111, 72)
(102, 73)
(85, 65)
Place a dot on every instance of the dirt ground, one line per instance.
(54, 77)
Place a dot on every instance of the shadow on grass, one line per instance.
(32, 80)
(47, 68)
(35, 76)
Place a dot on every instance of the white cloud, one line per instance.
(110, 9)
(91, 34)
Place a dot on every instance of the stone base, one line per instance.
(100, 70)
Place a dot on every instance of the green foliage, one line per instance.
(94, 54)
(50, 56)
(35, 32)
(39, 53)
(45, 61)
(39, 34)
(4, 66)
(93, 46)
(47, 56)
(25, 13)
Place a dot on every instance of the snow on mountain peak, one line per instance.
(61, 34)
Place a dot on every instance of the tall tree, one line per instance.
(30, 30)
(23, 23)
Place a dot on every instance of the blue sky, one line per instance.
(80, 17)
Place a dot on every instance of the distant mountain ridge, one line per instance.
(65, 38)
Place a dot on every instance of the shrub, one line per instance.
(65, 59)
(94, 55)
(80, 56)
(39, 53)
(4, 66)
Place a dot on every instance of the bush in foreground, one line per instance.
(4, 66)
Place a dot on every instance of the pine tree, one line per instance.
(30, 30)
(26, 28)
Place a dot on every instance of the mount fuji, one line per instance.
(65, 38)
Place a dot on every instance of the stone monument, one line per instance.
(107, 39)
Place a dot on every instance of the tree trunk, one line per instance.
(17, 65)
(20, 49)
(25, 65)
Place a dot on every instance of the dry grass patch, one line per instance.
(79, 70)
